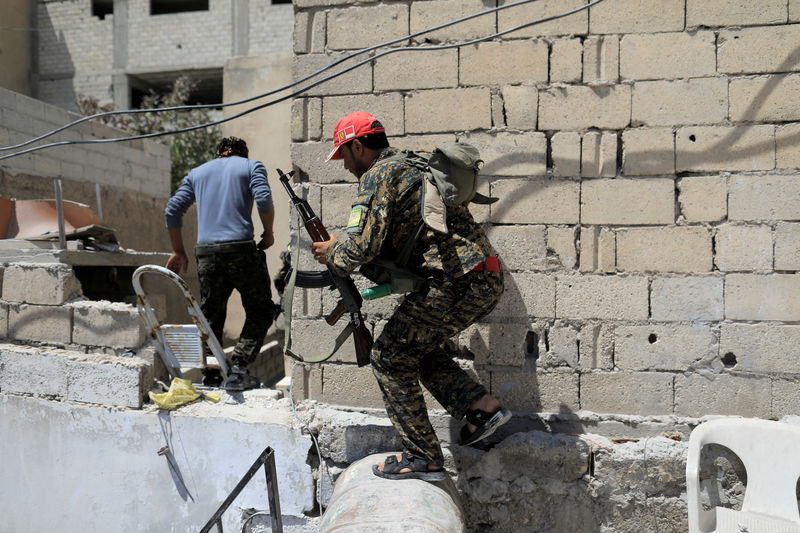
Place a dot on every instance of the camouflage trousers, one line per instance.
(413, 349)
(241, 266)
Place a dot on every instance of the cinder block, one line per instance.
(598, 250)
(722, 394)
(350, 385)
(520, 103)
(563, 347)
(520, 247)
(601, 60)
(448, 110)
(359, 27)
(770, 348)
(107, 324)
(336, 199)
(426, 15)
(601, 297)
(663, 347)
(743, 248)
(536, 201)
(659, 56)
(636, 393)
(565, 147)
(526, 295)
(313, 338)
(3, 320)
(28, 370)
(309, 159)
(762, 297)
(42, 323)
(500, 343)
(487, 63)
(110, 381)
(787, 246)
(565, 61)
(498, 112)
(703, 198)
(680, 102)
(596, 346)
(358, 80)
(687, 299)
(309, 32)
(509, 154)
(787, 140)
(306, 381)
(785, 397)
(794, 10)
(671, 249)
(40, 283)
(553, 391)
(576, 108)
(306, 122)
(648, 202)
(734, 13)
(576, 24)
(766, 197)
(561, 245)
(639, 17)
(401, 71)
(765, 99)
(756, 50)
(387, 108)
(728, 148)
(599, 154)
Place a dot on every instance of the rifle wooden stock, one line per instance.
(336, 314)
(363, 341)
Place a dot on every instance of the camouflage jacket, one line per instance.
(385, 214)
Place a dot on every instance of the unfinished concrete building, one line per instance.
(646, 159)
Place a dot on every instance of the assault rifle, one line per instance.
(351, 300)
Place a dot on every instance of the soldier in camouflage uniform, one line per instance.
(226, 253)
(412, 348)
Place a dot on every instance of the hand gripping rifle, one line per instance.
(350, 299)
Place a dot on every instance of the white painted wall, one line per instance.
(79, 468)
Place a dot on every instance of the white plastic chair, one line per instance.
(770, 452)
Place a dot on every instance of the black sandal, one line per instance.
(486, 424)
(418, 467)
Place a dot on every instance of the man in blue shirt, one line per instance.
(226, 253)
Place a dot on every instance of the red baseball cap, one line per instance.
(351, 127)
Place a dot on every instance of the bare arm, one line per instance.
(178, 262)
(267, 238)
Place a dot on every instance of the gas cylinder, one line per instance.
(364, 502)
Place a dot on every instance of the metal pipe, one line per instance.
(62, 233)
(99, 201)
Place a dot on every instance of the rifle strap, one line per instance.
(288, 298)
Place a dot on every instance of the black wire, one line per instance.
(304, 89)
(270, 93)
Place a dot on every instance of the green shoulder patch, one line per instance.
(356, 218)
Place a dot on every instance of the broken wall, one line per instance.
(646, 160)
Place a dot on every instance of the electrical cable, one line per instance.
(316, 445)
(270, 93)
(290, 95)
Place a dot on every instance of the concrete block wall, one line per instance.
(140, 166)
(646, 160)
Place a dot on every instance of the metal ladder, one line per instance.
(179, 345)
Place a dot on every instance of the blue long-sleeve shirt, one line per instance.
(224, 190)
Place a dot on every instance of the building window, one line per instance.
(207, 85)
(163, 7)
(101, 8)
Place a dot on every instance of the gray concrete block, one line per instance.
(723, 394)
(762, 297)
(769, 348)
(536, 201)
(28, 370)
(787, 246)
(734, 13)
(306, 381)
(487, 63)
(640, 393)
(663, 347)
(680, 102)
(400, 72)
(574, 24)
(358, 80)
(565, 60)
(554, 391)
(40, 283)
(519, 106)
(756, 50)
(768, 197)
(596, 350)
(725, 148)
(3, 320)
(785, 397)
(509, 154)
(521, 247)
(602, 297)
(425, 15)
(601, 60)
(578, 107)
(687, 299)
(765, 98)
(659, 56)
(107, 324)
(743, 248)
(672, 249)
(350, 385)
(358, 27)
(526, 295)
(40, 323)
(565, 148)
(561, 245)
(703, 198)
(646, 202)
(388, 108)
(501, 344)
(446, 110)
(104, 380)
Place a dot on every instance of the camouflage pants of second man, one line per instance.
(241, 266)
(412, 350)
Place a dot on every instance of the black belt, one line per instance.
(224, 247)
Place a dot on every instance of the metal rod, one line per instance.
(99, 201)
(62, 237)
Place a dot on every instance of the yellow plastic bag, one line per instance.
(181, 392)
